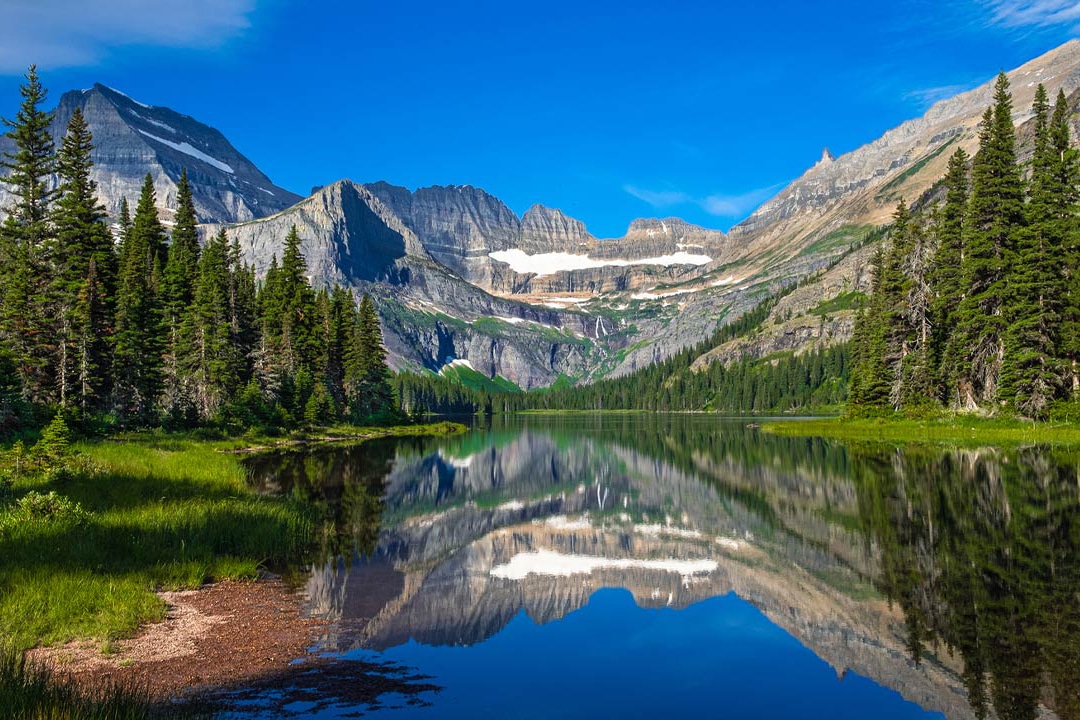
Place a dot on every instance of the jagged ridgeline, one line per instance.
(148, 327)
(976, 303)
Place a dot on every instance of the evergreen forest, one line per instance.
(976, 303)
(134, 325)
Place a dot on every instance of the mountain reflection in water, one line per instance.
(936, 574)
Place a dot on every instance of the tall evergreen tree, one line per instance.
(917, 376)
(366, 372)
(177, 292)
(996, 212)
(1031, 373)
(178, 280)
(24, 239)
(139, 341)
(84, 275)
(287, 357)
(1066, 171)
(946, 275)
(211, 363)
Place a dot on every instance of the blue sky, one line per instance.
(607, 110)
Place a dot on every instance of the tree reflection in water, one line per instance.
(981, 550)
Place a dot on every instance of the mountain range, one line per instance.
(459, 276)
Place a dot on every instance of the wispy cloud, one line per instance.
(719, 205)
(68, 33)
(1033, 13)
(658, 198)
(926, 97)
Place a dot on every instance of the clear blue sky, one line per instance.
(607, 110)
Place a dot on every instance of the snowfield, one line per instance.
(550, 263)
(548, 562)
(194, 152)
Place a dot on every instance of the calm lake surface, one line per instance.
(687, 566)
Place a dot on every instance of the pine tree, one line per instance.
(872, 379)
(367, 372)
(177, 291)
(946, 275)
(917, 386)
(84, 279)
(243, 313)
(210, 363)
(1031, 373)
(139, 342)
(24, 239)
(1066, 170)
(178, 280)
(995, 213)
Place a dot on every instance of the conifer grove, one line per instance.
(144, 327)
(976, 303)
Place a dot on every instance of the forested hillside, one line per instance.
(976, 305)
(144, 327)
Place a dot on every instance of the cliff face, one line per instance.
(132, 139)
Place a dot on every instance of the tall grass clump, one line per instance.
(32, 692)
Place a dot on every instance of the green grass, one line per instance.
(885, 191)
(844, 301)
(153, 511)
(955, 431)
(31, 692)
(839, 238)
(476, 380)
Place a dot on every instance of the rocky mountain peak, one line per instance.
(826, 158)
(132, 138)
(550, 226)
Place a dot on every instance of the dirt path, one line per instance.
(222, 634)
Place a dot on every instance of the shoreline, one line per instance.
(230, 646)
(219, 635)
(958, 431)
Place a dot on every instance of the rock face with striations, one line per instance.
(132, 139)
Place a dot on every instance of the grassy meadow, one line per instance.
(88, 533)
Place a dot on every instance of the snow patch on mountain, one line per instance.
(161, 125)
(547, 562)
(543, 264)
(194, 152)
(144, 105)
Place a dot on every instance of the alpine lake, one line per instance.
(590, 566)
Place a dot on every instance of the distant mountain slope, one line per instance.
(132, 139)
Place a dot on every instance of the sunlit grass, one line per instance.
(157, 515)
(155, 511)
(958, 431)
